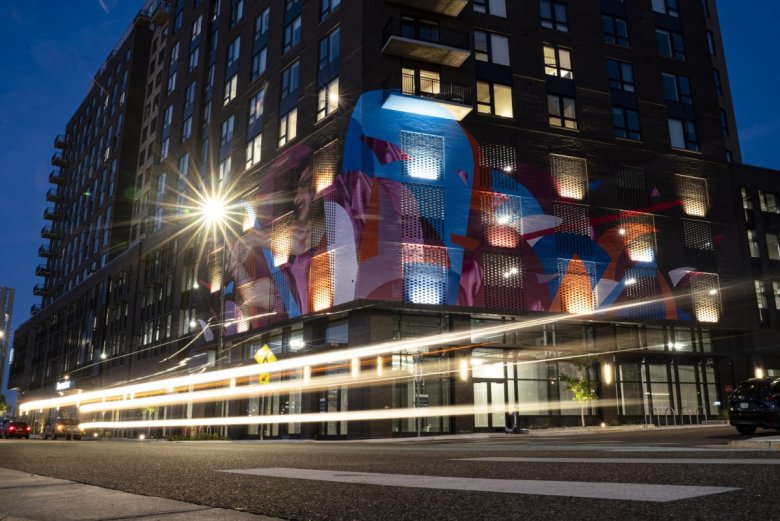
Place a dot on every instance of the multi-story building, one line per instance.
(6, 316)
(394, 170)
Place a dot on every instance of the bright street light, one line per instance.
(214, 211)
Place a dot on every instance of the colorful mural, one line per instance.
(411, 208)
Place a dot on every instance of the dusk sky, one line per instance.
(51, 49)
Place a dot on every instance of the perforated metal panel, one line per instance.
(638, 231)
(215, 270)
(698, 235)
(570, 175)
(330, 219)
(501, 219)
(501, 159)
(321, 282)
(318, 230)
(425, 274)
(577, 289)
(422, 212)
(285, 184)
(326, 165)
(632, 188)
(705, 296)
(503, 276)
(281, 239)
(640, 285)
(426, 155)
(574, 231)
(693, 195)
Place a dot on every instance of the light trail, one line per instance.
(317, 359)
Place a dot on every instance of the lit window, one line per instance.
(253, 150)
(768, 202)
(256, 106)
(561, 111)
(682, 134)
(328, 99)
(626, 123)
(495, 99)
(231, 89)
(670, 44)
(553, 15)
(615, 30)
(752, 239)
(773, 246)
(490, 47)
(621, 75)
(224, 170)
(557, 62)
(288, 127)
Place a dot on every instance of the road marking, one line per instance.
(675, 461)
(619, 491)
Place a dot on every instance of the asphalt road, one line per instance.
(193, 472)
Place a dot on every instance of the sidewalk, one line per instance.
(28, 497)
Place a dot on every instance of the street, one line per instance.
(506, 477)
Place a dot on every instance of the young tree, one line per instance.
(581, 388)
(4, 407)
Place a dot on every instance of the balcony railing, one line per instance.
(60, 142)
(445, 7)
(55, 177)
(53, 196)
(425, 41)
(45, 252)
(48, 233)
(40, 290)
(51, 214)
(42, 271)
(58, 160)
(454, 100)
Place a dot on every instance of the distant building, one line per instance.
(6, 316)
(403, 169)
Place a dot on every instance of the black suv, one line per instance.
(755, 403)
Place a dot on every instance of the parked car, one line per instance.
(14, 429)
(67, 428)
(755, 403)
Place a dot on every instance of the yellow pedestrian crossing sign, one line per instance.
(264, 355)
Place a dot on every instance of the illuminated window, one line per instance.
(640, 284)
(328, 99)
(416, 82)
(705, 296)
(638, 232)
(225, 167)
(570, 175)
(768, 202)
(490, 47)
(693, 195)
(256, 106)
(752, 239)
(495, 99)
(231, 89)
(561, 111)
(253, 150)
(773, 246)
(557, 62)
(288, 127)
(426, 155)
(553, 15)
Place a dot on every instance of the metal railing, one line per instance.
(424, 32)
(433, 88)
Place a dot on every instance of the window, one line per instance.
(233, 51)
(666, 7)
(225, 168)
(626, 123)
(167, 117)
(328, 7)
(193, 59)
(489, 47)
(259, 61)
(164, 148)
(292, 34)
(711, 43)
(705, 7)
(768, 202)
(226, 135)
(682, 134)
(186, 128)
(329, 48)
(236, 11)
(171, 81)
(776, 293)
(189, 95)
(328, 99)
(677, 88)
(621, 75)
(561, 111)
(494, 7)
(557, 62)
(615, 30)
(261, 23)
(420, 82)
(773, 246)
(724, 123)
(231, 88)
(196, 26)
(288, 127)
(495, 99)
(670, 44)
(253, 149)
(290, 79)
(553, 15)
(256, 106)
(752, 239)
(716, 80)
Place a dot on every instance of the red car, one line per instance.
(14, 429)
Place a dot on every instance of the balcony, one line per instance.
(40, 290)
(55, 178)
(425, 41)
(48, 233)
(445, 7)
(60, 142)
(160, 13)
(45, 252)
(51, 214)
(424, 94)
(53, 196)
(42, 271)
(35, 308)
(58, 160)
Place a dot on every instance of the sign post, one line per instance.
(264, 355)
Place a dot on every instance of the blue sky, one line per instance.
(52, 48)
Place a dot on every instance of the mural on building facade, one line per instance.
(414, 209)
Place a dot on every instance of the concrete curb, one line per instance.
(769, 443)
